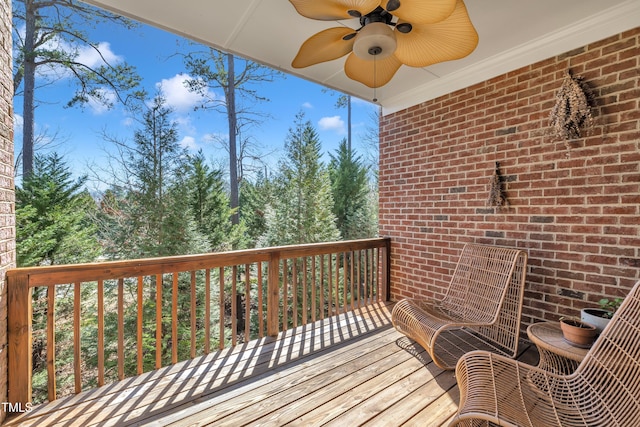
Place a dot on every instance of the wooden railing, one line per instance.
(118, 319)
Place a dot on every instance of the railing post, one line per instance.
(385, 268)
(273, 294)
(19, 339)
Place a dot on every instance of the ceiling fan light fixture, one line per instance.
(376, 40)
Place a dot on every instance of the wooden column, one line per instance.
(273, 294)
(20, 339)
(385, 270)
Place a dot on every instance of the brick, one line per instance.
(576, 211)
(7, 218)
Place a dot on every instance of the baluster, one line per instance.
(221, 306)
(322, 287)
(120, 329)
(193, 314)
(140, 320)
(174, 317)
(314, 291)
(351, 279)
(247, 303)
(294, 291)
(234, 305)
(207, 311)
(51, 343)
(260, 302)
(338, 283)
(330, 285)
(158, 321)
(285, 297)
(304, 291)
(76, 338)
(100, 333)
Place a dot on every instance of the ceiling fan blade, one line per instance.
(420, 11)
(428, 44)
(329, 10)
(326, 45)
(371, 73)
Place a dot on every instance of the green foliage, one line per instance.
(349, 185)
(47, 41)
(54, 225)
(53, 216)
(147, 217)
(209, 204)
(255, 198)
(611, 305)
(302, 208)
(49, 27)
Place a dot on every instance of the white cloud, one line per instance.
(104, 101)
(189, 143)
(185, 123)
(334, 123)
(93, 57)
(307, 105)
(18, 123)
(177, 95)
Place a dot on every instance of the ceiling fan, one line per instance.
(416, 33)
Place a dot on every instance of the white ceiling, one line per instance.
(513, 33)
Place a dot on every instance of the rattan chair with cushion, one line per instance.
(603, 391)
(481, 309)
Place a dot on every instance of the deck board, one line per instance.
(351, 369)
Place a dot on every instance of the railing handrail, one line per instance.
(22, 281)
(111, 270)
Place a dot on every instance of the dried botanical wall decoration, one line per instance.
(497, 196)
(571, 114)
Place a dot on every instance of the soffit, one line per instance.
(512, 34)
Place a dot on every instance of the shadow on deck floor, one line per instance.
(352, 369)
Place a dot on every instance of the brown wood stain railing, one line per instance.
(304, 283)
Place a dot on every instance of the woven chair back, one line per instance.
(608, 379)
(481, 281)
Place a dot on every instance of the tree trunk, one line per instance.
(233, 131)
(349, 123)
(28, 108)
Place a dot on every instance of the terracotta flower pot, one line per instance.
(578, 333)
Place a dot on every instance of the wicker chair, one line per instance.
(480, 311)
(603, 391)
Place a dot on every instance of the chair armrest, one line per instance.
(508, 392)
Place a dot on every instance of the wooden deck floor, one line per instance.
(353, 369)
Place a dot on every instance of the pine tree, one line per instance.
(255, 198)
(349, 184)
(209, 204)
(302, 207)
(53, 226)
(152, 216)
(147, 217)
(53, 216)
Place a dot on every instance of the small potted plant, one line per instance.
(599, 317)
(577, 332)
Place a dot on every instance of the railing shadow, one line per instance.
(178, 390)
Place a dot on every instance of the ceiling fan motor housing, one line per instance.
(376, 40)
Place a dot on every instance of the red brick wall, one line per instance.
(7, 217)
(575, 211)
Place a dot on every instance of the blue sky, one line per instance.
(153, 52)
